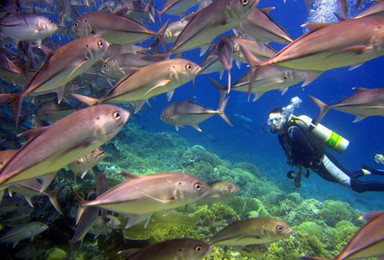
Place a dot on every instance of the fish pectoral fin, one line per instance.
(158, 85)
(197, 128)
(156, 199)
(33, 133)
(76, 68)
(136, 219)
(358, 118)
(170, 94)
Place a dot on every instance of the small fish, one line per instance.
(23, 231)
(63, 65)
(211, 21)
(114, 28)
(261, 51)
(273, 77)
(252, 231)
(190, 113)
(49, 110)
(52, 147)
(364, 103)
(27, 27)
(154, 79)
(85, 164)
(367, 242)
(220, 191)
(260, 26)
(141, 196)
(180, 248)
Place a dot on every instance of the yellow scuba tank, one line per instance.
(332, 139)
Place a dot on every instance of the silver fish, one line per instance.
(23, 231)
(114, 28)
(141, 196)
(350, 42)
(66, 63)
(120, 65)
(53, 147)
(220, 191)
(254, 250)
(364, 103)
(212, 21)
(27, 27)
(154, 79)
(260, 26)
(251, 231)
(85, 164)
(180, 248)
(178, 7)
(273, 77)
(190, 113)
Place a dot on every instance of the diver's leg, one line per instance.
(360, 186)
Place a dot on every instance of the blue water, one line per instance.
(246, 141)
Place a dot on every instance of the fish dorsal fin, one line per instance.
(129, 176)
(360, 89)
(267, 10)
(33, 133)
(314, 26)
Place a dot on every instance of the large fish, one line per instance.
(212, 21)
(180, 248)
(63, 65)
(364, 103)
(251, 231)
(27, 27)
(141, 196)
(328, 46)
(367, 242)
(114, 28)
(52, 147)
(260, 26)
(154, 79)
(190, 113)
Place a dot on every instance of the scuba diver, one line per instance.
(305, 143)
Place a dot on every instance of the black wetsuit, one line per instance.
(304, 149)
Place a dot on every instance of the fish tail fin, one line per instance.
(222, 89)
(160, 36)
(221, 111)
(82, 205)
(324, 108)
(255, 64)
(52, 195)
(87, 100)
(16, 101)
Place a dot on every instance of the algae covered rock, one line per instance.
(336, 211)
(308, 210)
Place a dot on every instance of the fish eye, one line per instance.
(116, 115)
(244, 2)
(198, 249)
(198, 186)
(94, 151)
(100, 43)
(279, 228)
(105, 65)
(188, 66)
(76, 24)
(230, 187)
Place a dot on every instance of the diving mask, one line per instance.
(275, 119)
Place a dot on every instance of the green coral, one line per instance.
(338, 210)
